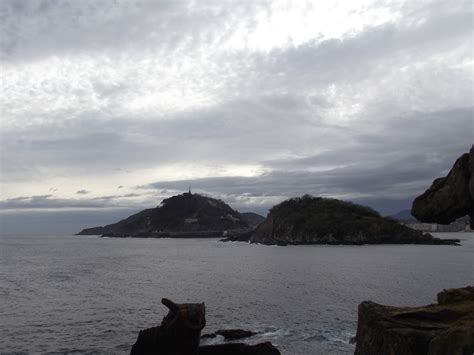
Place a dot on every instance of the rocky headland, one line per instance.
(317, 220)
(182, 216)
(449, 197)
(446, 328)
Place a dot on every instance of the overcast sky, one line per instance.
(107, 107)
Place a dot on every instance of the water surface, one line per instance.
(88, 294)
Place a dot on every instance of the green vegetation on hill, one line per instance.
(185, 213)
(317, 220)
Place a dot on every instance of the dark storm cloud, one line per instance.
(358, 179)
(417, 138)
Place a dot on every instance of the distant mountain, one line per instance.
(317, 220)
(252, 219)
(403, 216)
(185, 215)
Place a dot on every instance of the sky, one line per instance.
(108, 107)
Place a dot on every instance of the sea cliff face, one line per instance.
(450, 197)
(316, 220)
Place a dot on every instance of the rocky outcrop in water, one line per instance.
(182, 216)
(446, 328)
(230, 334)
(179, 334)
(316, 220)
(450, 197)
(265, 348)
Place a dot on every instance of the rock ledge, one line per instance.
(446, 328)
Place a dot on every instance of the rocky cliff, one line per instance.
(450, 197)
(446, 328)
(316, 220)
(184, 215)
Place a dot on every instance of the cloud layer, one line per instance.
(121, 103)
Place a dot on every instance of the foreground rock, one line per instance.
(180, 332)
(316, 220)
(239, 349)
(183, 216)
(450, 197)
(446, 328)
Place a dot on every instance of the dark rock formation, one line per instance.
(230, 334)
(179, 334)
(239, 349)
(450, 197)
(316, 220)
(182, 216)
(446, 328)
(233, 334)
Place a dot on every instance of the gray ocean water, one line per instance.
(63, 294)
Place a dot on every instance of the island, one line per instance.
(318, 220)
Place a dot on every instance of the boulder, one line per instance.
(450, 197)
(444, 328)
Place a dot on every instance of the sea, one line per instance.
(91, 295)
